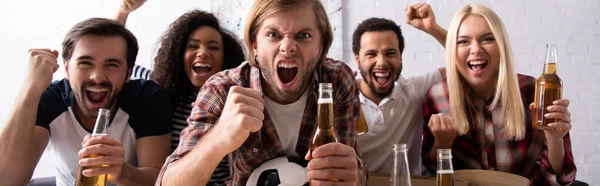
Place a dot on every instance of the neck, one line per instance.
(86, 121)
(367, 92)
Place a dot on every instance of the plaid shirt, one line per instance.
(264, 145)
(484, 146)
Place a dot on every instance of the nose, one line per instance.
(476, 48)
(202, 53)
(381, 61)
(98, 75)
(288, 45)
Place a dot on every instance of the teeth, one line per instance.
(476, 62)
(287, 65)
(201, 65)
(92, 89)
(382, 74)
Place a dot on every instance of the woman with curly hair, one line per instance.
(191, 50)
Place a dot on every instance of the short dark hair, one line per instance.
(169, 70)
(372, 25)
(100, 27)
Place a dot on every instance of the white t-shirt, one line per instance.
(287, 120)
(397, 119)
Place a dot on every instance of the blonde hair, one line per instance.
(262, 9)
(507, 93)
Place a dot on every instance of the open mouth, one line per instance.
(201, 68)
(96, 95)
(477, 66)
(287, 72)
(381, 78)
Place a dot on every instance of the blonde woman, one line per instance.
(487, 124)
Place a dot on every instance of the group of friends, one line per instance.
(211, 111)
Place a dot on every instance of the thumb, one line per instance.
(55, 53)
(308, 156)
(531, 106)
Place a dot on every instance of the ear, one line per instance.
(254, 47)
(128, 77)
(66, 63)
(356, 59)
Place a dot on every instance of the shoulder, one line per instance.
(525, 81)
(439, 89)
(57, 95)
(239, 76)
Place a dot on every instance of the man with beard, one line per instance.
(392, 104)
(267, 107)
(98, 56)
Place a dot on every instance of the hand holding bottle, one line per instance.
(105, 154)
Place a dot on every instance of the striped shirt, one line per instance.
(264, 145)
(181, 111)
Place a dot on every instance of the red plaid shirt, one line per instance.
(484, 146)
(264, 145)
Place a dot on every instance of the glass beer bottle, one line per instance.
(400, 170)
(548, 88)
(445, 172)
(362, 126)
(325, 132)
(100, 129)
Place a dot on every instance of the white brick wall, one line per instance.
(573, 25)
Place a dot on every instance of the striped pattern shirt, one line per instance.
(181, 111)
(264, 145)
(484, 147)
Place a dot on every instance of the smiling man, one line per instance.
(392, 104)
(98, 56)
(266, 108)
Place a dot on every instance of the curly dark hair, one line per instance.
(372, 25)
(169, 69)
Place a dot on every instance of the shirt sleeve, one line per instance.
(422, 83)
(348, 109)
(205, 113)
(155, 118)
(428, 139)
(547, 176)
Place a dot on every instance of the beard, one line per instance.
(367, 78)
(287, 95)
(81, 96)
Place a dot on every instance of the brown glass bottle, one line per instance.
(325, 132)
(548, 88)
(100, 129)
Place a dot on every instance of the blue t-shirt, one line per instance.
(143, 109)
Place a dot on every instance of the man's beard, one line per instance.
(366, 76)
(287, 96)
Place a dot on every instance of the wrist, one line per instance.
(444, 144)
(551, 141)
(123, 175)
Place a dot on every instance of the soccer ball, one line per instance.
(281, 171)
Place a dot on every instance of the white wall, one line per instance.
(573, 25)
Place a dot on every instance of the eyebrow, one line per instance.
(484, 35)
(86, 57)
(209, 42)
(272, 28)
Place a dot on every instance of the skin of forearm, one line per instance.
(196, 167)
(439, 34)
(439, 145)
(556, 155)
(121, 18)
(17, 150)
(139, 175)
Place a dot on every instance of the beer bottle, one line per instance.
(325, 132)
(445, 172)
(362, 126)
(100, 129)
(548, 88)
(400, 171)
